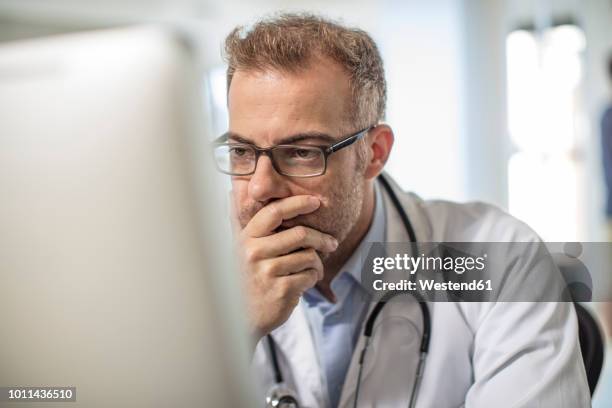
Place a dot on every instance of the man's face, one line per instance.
(268, 108)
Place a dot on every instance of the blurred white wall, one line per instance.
(445, 63)
(484, 100)
(422, 45)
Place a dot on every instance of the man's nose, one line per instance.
(266, 183)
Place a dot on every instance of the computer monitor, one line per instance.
(115, 265)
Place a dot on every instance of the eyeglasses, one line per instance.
(240, 159)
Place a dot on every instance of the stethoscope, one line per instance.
(280, 396)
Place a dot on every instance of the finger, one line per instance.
(296, 262)
(272, 215)
(298, 283)
(290, 240)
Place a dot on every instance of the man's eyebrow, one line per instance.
(299, 137)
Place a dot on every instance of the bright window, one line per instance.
(544, 116)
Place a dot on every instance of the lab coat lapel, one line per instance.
(296, 343)
(395, 232)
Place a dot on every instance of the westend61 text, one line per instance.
(431, 284)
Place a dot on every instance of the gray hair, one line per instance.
(288, 42)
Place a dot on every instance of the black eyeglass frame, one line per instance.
(325, 150)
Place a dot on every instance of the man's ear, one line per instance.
(379, 143)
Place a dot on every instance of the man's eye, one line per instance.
(238, 151)
(303, 153)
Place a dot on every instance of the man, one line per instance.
(298, 84)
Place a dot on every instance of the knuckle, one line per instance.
(273, 211)
(310, 278)
(326, 240)
(300, 233)
(251, 253)
(318, 266)
(315, 273)
(269, 269)
(312, 257)
(311, 253)
(313, 277)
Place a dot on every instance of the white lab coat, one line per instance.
(481, 354)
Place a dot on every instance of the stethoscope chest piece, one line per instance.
(281, 396)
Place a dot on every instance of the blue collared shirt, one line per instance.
(336, 327)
